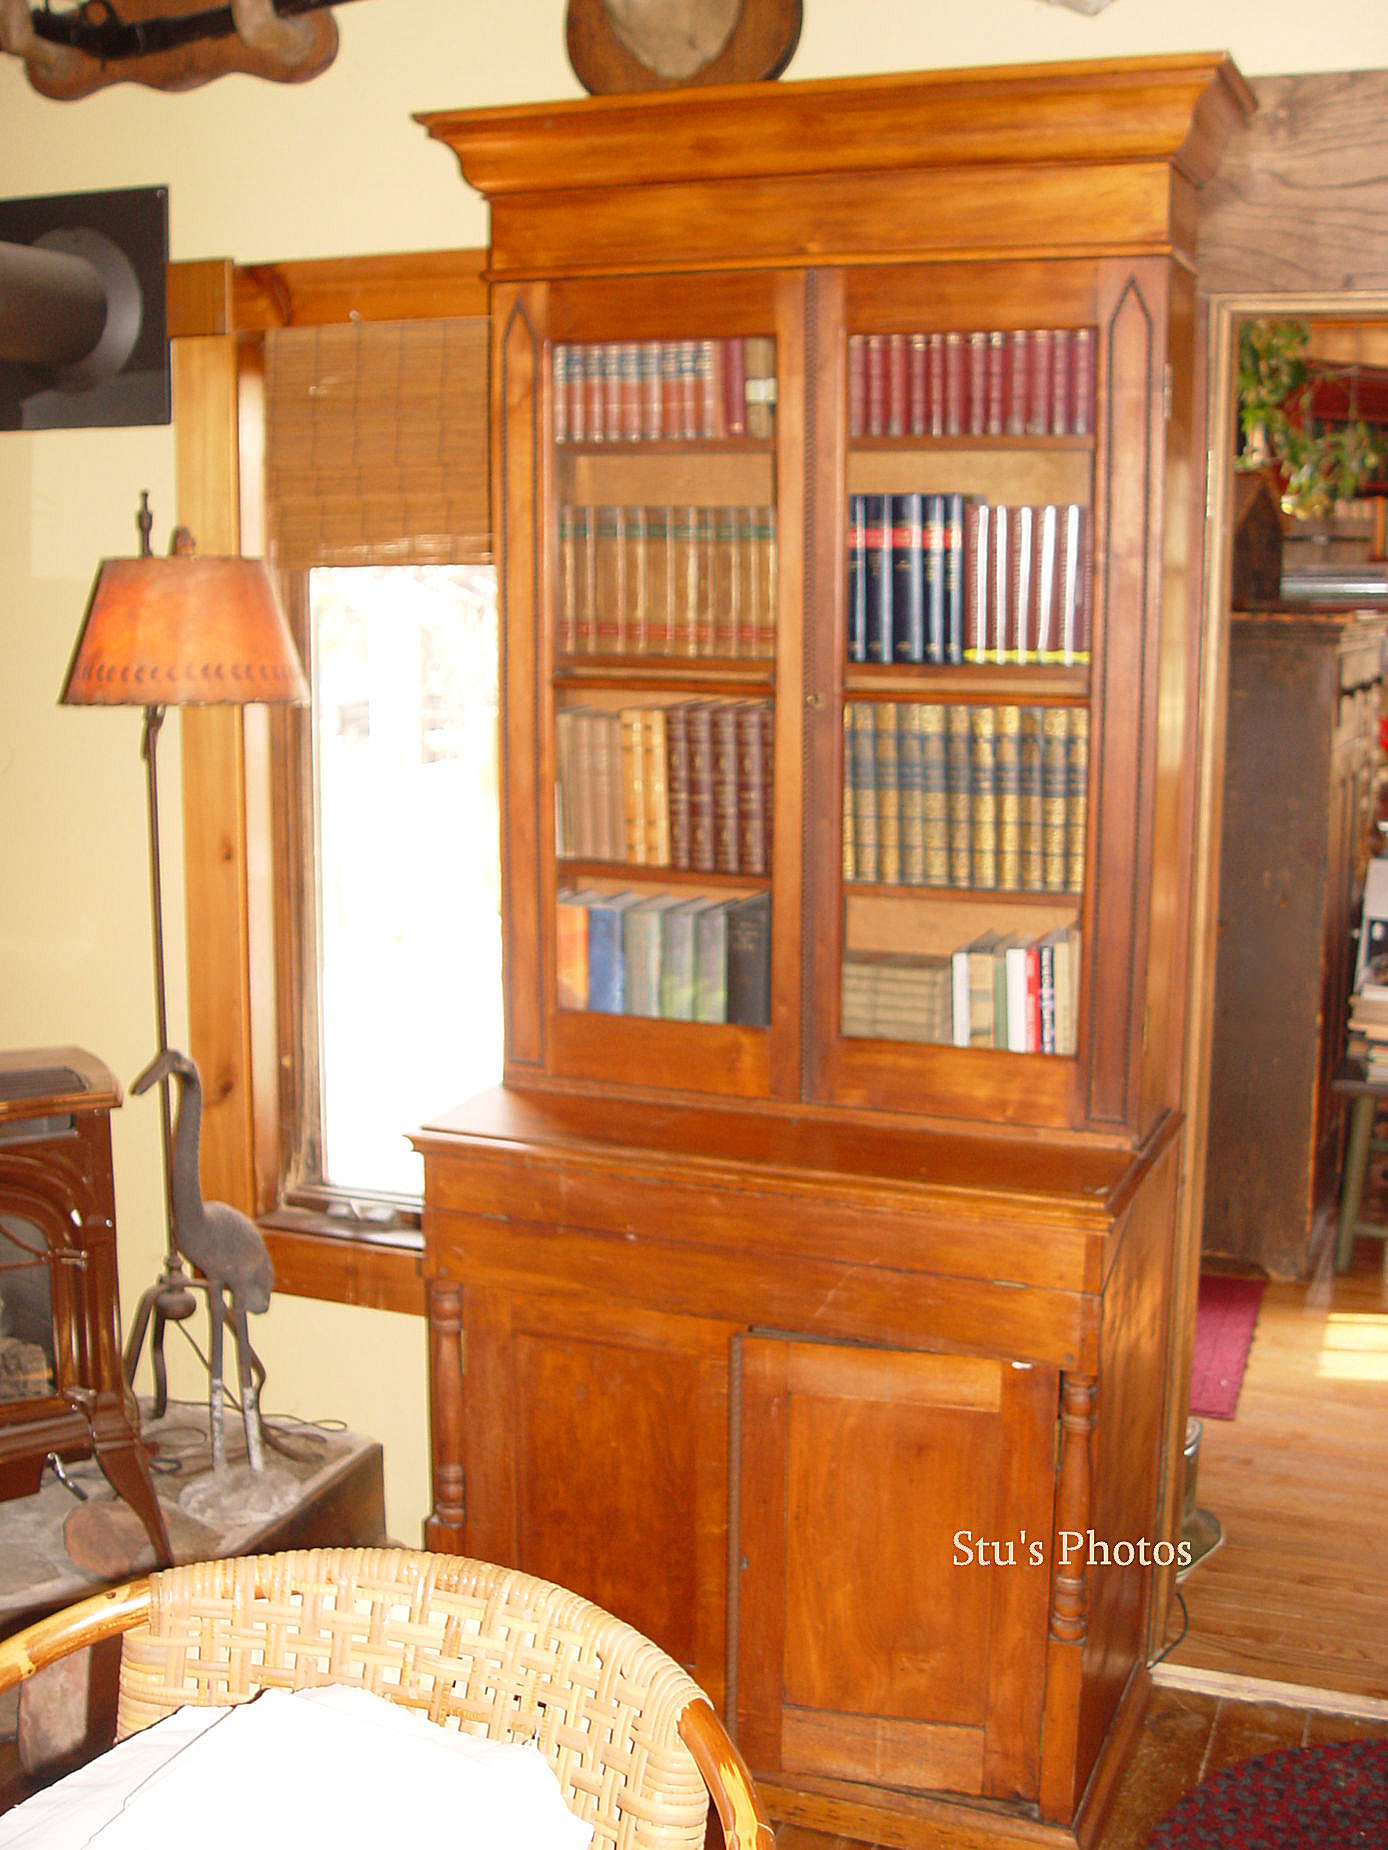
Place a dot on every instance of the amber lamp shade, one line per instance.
(184, 631)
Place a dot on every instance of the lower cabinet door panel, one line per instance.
(877, 1640)
(596, 1456)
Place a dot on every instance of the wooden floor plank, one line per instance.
(1299, 1482)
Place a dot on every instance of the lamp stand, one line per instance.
(170, 1299)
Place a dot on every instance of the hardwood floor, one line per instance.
(1298, 1592)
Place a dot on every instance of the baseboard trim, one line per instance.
(1233, 1688)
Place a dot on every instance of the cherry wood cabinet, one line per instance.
(809, 1306)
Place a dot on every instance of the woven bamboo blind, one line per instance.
(376, 443)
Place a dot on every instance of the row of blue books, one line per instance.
(666, 955)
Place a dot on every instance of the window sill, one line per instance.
(378, 1269)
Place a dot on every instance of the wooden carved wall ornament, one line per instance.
(622, 45)
(167, 44)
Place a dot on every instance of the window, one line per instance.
(388, 883)
(403, 668)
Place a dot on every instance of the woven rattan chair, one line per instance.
(635, 1744)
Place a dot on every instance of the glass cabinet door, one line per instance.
(957, 631)
(664, 527)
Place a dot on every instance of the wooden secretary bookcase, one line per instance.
(802, 1293)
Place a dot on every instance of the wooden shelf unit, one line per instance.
(736, 1327)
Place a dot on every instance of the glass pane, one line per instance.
(405, 756)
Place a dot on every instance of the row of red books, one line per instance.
(684, 785)
(644, 391)
(685, 581)
(1036, 382)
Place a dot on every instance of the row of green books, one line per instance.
(666, 955)
(952, 794)
(1012, 991)
(680, 580)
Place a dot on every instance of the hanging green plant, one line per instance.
(1318, 466)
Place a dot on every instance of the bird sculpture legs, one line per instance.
(249, 1372)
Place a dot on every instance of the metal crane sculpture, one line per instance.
(227, 1249)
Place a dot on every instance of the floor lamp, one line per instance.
(174, 632)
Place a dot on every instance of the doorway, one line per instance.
(1299, 1445)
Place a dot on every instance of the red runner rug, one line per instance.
(1304, 1798)
(1226, 1315)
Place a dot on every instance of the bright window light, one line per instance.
(404, 662)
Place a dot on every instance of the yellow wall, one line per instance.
(257, 171)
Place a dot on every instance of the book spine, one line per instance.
(1030, 760)
(1046, 555)
(764, 566)
(935, 379)
(760, 387)
(1018, 382)
(977, 414)
(611, 376)
(726, 600)
(1001, 586)
(635, 636)
(726, 819)
(911, 780)
(1021, 647)
(884, 715)
(709, 372)
(1082, 383)
(1077, 798)
(918, 386)
(857, 385)
(1008, 780)
(863, 742)
(684, 554)
(995, 394)
(877, 551)
(935, 591)
(1046, 1009)
(559, 392)
(875, 393)
(706, 633)
(635, 832)
(652, 397)
(629, 389)
(735, 386)
(1055, 797)
(606, 958)
(956, 386)
(978, 578)
(677, 781)
(850, 848)
(908, 578)
(657, 790)
(857, 613)
(959, 798)
(677, 963)
(954, 576)
(711, 963)
(934, 793)
(1062, 369)
(749, 961)
(984, 845)
(610, 779)
(699, 724)
(751, 787)
(593, 402)
(610, 565)
(897, 388)
(659, 582)
(1041, 349)
(571, 951)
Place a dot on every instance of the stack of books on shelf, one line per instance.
(685, 784)
(941, 578)
(630, 391)
(995, 382)
(949, 794)
(1001, 990)
(680, 580)
(665, 955)
(1368, 1028)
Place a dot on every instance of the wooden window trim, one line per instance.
(218, 313)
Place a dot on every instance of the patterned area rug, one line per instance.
(1304, 1798)
(1226, 1315)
